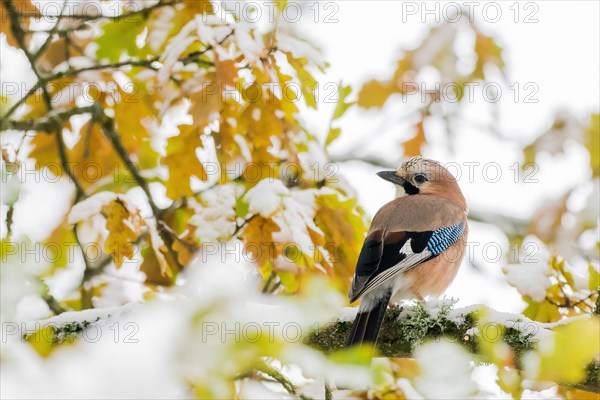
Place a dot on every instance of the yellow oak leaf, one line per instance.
(199, 6)
(206, 103)
(258, 240)
(344, 228)
(488, 51)
(45, 152)
(182, 161)
(412, 147)
(152, 268)
(259, 122)
(134, 111)
(23, 7)
(308, 83)
(93, 156)
(187, 245)
(124, 226)
(227, 71)
(289, 96)
(375, 93)
(58, 50)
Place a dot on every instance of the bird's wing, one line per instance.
(387, 252)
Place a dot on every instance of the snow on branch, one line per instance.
(404, 329)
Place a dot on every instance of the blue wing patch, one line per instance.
(445, 237)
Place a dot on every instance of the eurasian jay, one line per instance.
(414, 247)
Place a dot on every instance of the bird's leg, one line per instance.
(420, 299)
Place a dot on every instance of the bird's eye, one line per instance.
(420, 178)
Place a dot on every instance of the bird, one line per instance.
(414, 246)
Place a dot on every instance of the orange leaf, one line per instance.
(124, 226)
(375, 93)
(183, 163)
(412, 147)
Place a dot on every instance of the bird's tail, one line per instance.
(367, 323)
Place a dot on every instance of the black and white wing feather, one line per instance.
(384, 255)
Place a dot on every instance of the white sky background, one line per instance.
(559, 54)
(362, 41)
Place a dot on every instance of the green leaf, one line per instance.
(307, 82)
(358, 355)
(42, 340)
(342, 104)
(241, 207)
(281, 5)
(340, 109)
(119, 36)
(593, 143)
(542, 312)
(333, 134)
(575, 345)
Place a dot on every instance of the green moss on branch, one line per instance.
(405, 329)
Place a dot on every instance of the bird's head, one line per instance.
(420, 175)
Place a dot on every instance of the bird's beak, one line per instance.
(391, 176)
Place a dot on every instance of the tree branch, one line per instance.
(108, 126)
(53, 121)
(404, 329)
(19, 34)
(43, 81)
(280, 378)
(52, 303)
(88, 17)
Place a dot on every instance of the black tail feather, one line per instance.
(367, 324)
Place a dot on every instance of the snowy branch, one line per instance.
(404, 329)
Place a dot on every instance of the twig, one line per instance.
(328, 392)
(50, 300)
(40, 84)
(56, 31)
(125, 15)
(268, 283)
(108, 128)
(49, 124)
(18, 33)
(279, 377)
(20, 102)
(9, 221)
(147, 63)
(51, 33)
(189, 246)
(193, 56)
(86, 295)
(62, 152)
(568, 302)
(402, 332)
(240, 226)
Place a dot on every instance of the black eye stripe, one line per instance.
(410, 189)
